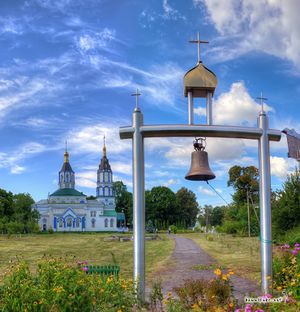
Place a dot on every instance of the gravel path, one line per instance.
(186, 255)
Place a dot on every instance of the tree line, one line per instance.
(163, 206)
(233, 218)
(16, 214)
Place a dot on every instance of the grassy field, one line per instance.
(240, 254)
(91, 247)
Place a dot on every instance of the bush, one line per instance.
(173, 229)
(61, 285)
(286, 270)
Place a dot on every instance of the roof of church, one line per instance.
(66, 167)
(110, 213)
(104, 165)
(67, 192)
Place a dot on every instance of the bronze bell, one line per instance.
(199, 170)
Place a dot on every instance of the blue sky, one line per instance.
(68, 68)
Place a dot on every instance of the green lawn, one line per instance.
(87, 246)
(240, 254)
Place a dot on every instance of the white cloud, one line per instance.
(171, 182)
(270, 26)
(206, 191)
(281, 167)
(235, 107)
(95, 40)
(16, 169)
(121, 167)
(171, 13)
(89, 139)
(13, 159)
(86, 179)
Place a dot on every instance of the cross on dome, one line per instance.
(136, 94)
(262, 99)
(198, 41)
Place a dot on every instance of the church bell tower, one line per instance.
(66, 175)
(104, 188)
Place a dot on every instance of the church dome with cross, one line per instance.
(199, 80)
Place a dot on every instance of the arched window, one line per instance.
(101, 176)
(106, 191)
(78, 222)
(111, 222)
(67, 177)
(69, 222)
(105, 176)
(93, 223)
(60, 222)
(106, 223)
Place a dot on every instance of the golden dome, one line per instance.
(200, 80)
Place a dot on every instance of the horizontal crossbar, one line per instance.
(153, 131)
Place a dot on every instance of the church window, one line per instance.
(67, 177)
(93, 213)
(93, 223)
(78, 222)
(106, 191)
(111, 222)
(60, 222)
(106, 223)
(105, 176)
(69, 222)
(101, 176)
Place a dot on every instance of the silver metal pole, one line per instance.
(190, 108)
(209, 109)
(138, 205)
(265, 204)
(248, 208)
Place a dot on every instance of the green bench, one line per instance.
(103, 269)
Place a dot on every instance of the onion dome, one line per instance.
(200, 81)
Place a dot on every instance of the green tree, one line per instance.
(244, 180)
(286, 205)
(124, 200)
(217, 215)
(161, 206)
(16, 213)
(187, 207)
(6, 203)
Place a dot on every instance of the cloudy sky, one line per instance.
(68, 68)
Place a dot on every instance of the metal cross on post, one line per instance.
(262, 99)
(136, 94)
(198, 41)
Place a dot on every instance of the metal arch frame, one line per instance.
(138, 131)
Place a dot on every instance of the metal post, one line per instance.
(248, 208)
(190, 108)
(209, 108)
(265, 204)
(138, 205)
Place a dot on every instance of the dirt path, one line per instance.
(186, 255)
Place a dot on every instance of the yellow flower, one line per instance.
(294, 260)
(58, 289)
(224, 277)
(218, 272)
(230, 305)
(279, 287)
(195, 307)
(119, 310)
(108, 281)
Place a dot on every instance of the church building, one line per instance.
(68, 209)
